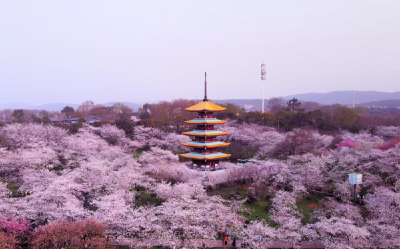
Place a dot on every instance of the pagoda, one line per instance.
(205, 154)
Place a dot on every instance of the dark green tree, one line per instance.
(18, 116)
(68, 111)
(180, 122)
(143, 114)
(232, 111)
(294, 105)
(149, 107)
(125, 125)
(126, 111)
(36, 119)
(344, 117)
(266, 119)
(46, 120)
(43, 113)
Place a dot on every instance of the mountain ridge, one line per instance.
(362, 98)
(57, 106)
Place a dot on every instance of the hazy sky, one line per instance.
(71, 51)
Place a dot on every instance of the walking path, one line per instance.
(212, 243)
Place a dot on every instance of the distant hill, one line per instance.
(57, 106)
(134, 106)
(249, 104)
(47, 107)
(345, 97)
(239, 102)
(362, 98)
(392, 103)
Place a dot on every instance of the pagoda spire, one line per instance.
(205, 87)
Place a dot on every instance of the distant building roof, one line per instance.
(57, 119)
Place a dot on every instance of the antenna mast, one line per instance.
(205, 87)
(263, 73)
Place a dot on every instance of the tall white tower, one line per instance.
(263, 76)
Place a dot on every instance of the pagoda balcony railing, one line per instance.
(206, 153)
(212, 118)
(197, 129)
(202, 167)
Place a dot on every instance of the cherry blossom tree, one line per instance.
(363, 139)
(286, 215)
(308, 170)
(94, 173)
(263, 138)
(157, 156)
(112, 134)
(338, 233)
(342, 210)
(258, 235)
(3, 190)
(382, 235)
(187, 221)
(300, 141)
(191, 189)
(388, 132)
(384, 205)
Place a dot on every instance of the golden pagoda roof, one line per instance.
(205, 106)
(200, 156)
(206, 144)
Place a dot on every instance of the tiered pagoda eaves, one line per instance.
(205, 154)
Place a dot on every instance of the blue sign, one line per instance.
(355, 178)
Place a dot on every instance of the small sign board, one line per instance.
(355, 178)
(263, 71)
